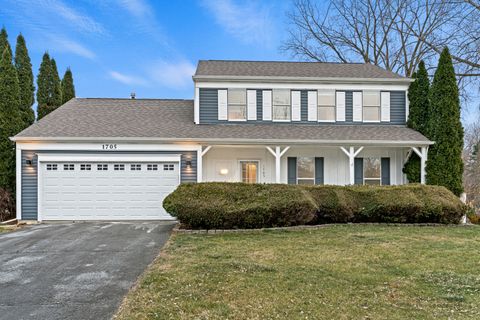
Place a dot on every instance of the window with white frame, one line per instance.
(237, 104)
(52, 166)
(85, 167)
(372, 171)
(305, 170)
(68, 167)
(135, 167)
(102, 167)
(281, 105)
(371, 106)
(152, 167)
(326, 106)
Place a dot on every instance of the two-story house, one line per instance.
(253, 122)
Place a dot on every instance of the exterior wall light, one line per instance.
(223, 172)
(188, 163)
(29, 162)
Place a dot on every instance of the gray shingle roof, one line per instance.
(173, 120)
(292, 69)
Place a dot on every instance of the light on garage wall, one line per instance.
(188, 163)
(223, 172)
(28, 162)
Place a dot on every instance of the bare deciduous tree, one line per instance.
(471, 157)
(393, 34)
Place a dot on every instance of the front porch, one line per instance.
(307, 164)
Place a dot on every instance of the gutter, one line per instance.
(225, 141)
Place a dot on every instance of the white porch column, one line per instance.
(351, 154)
(278, 153)
(423, 154)
(200, 153)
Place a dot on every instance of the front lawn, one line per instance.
(336, 272)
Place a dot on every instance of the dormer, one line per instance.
(315, 93)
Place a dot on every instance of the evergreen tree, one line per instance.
(25, 79)
(10, 119)
(4, 42)
(445, 165)
(419, 109)
(68, 89)
(49, 88)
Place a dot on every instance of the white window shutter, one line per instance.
(385, 110)
(357, 106)
(267, 105)
(312, 105)
(252, 104)
(340, 105)
(222, 105)
(296, 106)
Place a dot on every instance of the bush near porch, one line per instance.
(7, 205)
(237, 205)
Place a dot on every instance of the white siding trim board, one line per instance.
(251, 104)
(296, 105)
(267, 105)
(222, 104)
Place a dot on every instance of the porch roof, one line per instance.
(172, 121)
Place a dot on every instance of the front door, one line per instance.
(249, 171)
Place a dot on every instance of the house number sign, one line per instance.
(109, 146)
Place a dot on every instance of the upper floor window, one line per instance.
(237, 104)
(371, 106)
(281, 105)
(326, 105)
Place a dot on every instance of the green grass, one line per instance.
(337, 272)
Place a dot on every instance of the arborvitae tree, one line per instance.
(10, 119)
(68, 89)
(419, 109)
(445, 165)
(49, 88)
(4, 41)
(25, 79)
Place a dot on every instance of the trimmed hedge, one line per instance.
(237, 205)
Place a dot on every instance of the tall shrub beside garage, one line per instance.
(10, 119)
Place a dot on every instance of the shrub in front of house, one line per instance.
(238, 205)
(413, 203)
(7, 205)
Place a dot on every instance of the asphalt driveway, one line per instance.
(74, 270)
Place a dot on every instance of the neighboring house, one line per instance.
(263, 122)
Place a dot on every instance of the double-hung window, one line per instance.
(237, 104)
(326, 106)
(371, 106)
(372, 171)
(305, 170)
(281, 105)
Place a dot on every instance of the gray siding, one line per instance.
(209, 109)
(30, 182)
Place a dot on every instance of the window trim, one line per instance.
(379, 106)
(240, 178)
(314, 170)
(372, 179)
(327, 106)
(246, 105)
(289, 105)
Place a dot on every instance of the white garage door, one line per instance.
(106, 190)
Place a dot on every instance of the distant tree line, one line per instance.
(17, 96)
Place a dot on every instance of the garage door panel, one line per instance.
(106, 194)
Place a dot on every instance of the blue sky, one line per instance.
(151, 47)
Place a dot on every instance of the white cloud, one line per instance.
(249, 22)
(137, 8)
(127, 79)
(75, 18)
(68, 45)
(176, 74)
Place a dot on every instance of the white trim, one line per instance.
(275, 79)
(357, 106)
(42, 157)
(267, 105)
(385, 106)
(252, 104)
(296, 105)
(312, 107)
(423, 154)
(196, 105)
(351, 154)
(222, 104)
(91, 146)
(18, 170)
(39, 190)
(340, 105)
(278, 153)
(204, 151)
